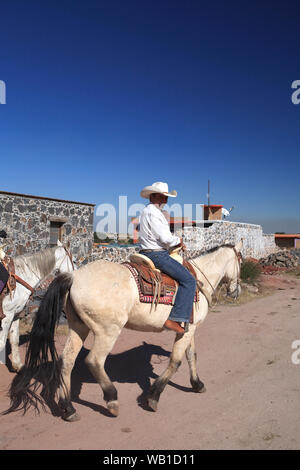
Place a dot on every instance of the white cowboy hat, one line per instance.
(158, 187)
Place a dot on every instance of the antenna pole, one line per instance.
(208, 195)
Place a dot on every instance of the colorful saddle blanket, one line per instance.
(156, 287)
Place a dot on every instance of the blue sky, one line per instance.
(106, 97)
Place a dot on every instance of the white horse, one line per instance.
(103, 297)
(32, 268)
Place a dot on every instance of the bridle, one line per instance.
(239, 259)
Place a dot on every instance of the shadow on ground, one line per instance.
(132, 366)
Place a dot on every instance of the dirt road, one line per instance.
(244, 358)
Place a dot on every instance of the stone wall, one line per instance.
(255, 243)
(26, 219)
(115, 254)
(199, 239)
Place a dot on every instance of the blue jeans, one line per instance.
(183, 306)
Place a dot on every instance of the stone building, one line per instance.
(33, 223)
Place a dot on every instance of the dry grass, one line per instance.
(250, 271)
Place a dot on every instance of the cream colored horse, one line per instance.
(103, 297)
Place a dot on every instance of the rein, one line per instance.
(70, 257)
(24, 283)
(197, 267)
(10, 268)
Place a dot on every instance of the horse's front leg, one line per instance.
(14, 337)
(179, 348)
(191, 356)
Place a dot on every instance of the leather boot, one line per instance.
(174, 326)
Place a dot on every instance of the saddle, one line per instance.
(154, 286)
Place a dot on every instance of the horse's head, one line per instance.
(233, 270)
(63, 259)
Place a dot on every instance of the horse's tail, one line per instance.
(37, 370)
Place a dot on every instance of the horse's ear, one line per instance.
(59, 243)
(239, 246)
(68, 244)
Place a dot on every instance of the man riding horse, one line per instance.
(156, 239)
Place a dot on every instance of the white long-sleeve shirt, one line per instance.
(154, 230)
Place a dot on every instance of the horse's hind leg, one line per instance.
(14, 335)
(103, 344)
(179, 348)
(77, 335)
(191, 356)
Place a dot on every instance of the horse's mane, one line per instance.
(215, 248)
(43, 261)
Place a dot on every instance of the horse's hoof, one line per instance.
(199, 389)
(16, 367)
(72, 418)
(113, 408)
(152, 404)
(198, 386)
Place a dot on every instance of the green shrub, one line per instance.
(250, 271)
